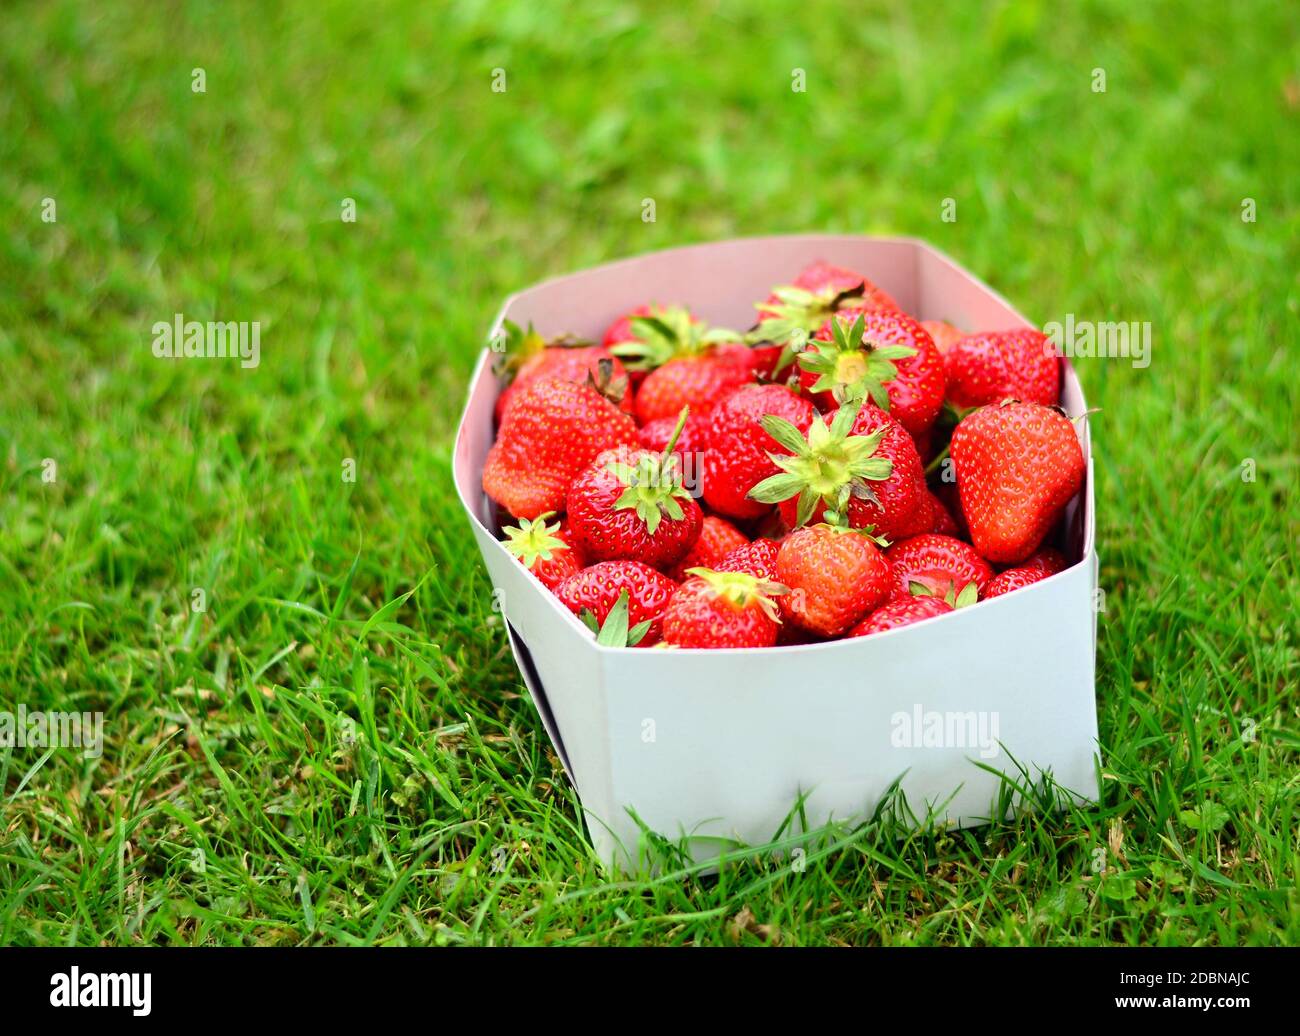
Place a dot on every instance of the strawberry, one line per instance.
(529, 357)
(685, 362)
(859, 468)
(757, 558)
(596, 589)
(996, 365)
(737, 454)
(818, 292)
(550, 431)
(1017, 466)
(835, 577)
(900, 611)
(547, 551)
(718, 538)
(722, 610)
(934, 565)
(631, 504)
(943, 334)
(793, 312)
(1040, 565)
(694, 381)
(886, 357)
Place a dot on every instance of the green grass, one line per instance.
(301, 764)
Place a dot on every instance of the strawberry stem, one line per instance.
(939, 458)
(677, 432)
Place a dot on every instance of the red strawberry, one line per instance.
(1017, 465)
(1040, 565)
(527, 355)
(722, 610)
(547, 551)
(718, 538)
(551, 430)
(631, 504)
(688, 363)
(939, 565)
(737, 455)
(820, 291)
(570, 363)
(997, 365)
(944, 334)
(694, 381)
(859, 467)
(835, 577)
(765, 360)
(900, 611)
(757, 558)
(596, 589)
(885, 357)
(795, 311)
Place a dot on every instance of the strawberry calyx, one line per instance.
(534, 540)
(797, 313)
(968, 595)
(798, 309)
(610, 385)
(521, 345)
(615, 631)
(667, 333)
(740, 590)
(654, 483)
(851, 365)
(829, 466)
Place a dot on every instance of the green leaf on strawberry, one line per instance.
(534, 540)
(800, 310)
(829, 466)
(615, 632)
(969, 593)
(852, 367)
(668, 333)
(743, 589)
(520, 345)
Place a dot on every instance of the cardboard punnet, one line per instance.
(719, 746)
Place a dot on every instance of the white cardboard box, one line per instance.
(720, 745)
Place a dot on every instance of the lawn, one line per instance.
(329, 741)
